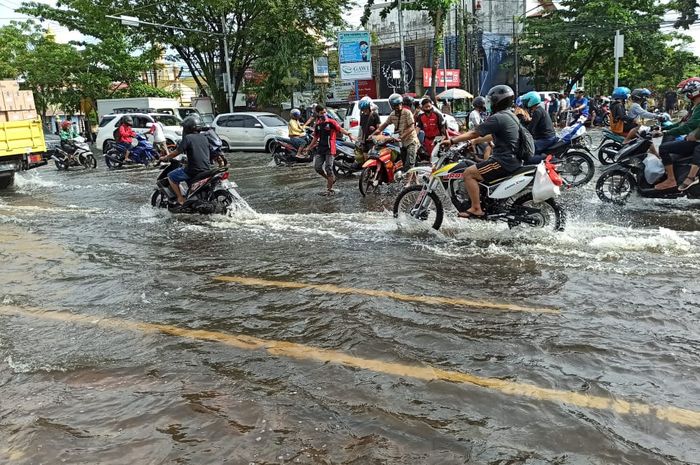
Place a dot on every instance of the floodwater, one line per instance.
(118, 344)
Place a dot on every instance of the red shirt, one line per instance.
(431, 124)
(126, 133)
(327, 132)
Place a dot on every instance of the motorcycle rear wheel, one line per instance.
(367, 180)
(59, 165)
(158, 199)
(607, 152)
(111, 164)
(223, 198)
(407, 201)
(615, 186)
(90, 161)
(576, 168)
(549, 214)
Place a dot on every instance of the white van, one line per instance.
(352, 120)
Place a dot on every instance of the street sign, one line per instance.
(321, 67)
(619, 46)
(354, 55)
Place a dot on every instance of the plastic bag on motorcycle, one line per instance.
(543, 187)
(653, 169)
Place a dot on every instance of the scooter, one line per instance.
(142, 153)
(620, 180)
(208, 193)
(382, 166)
(284, 152)
(345, 161)
(81, 155)
(612, 143)
(508, 199)
(570, 155)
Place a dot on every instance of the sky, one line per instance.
(7, 14)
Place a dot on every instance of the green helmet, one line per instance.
(531, 99)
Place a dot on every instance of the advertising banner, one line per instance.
(451, 79)
(354, 55)
(321, 67)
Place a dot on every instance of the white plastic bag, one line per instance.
(653, 169)
(543, 188)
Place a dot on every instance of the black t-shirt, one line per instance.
(503, 127)
(196, 147)
(541, 124)
(369, 124)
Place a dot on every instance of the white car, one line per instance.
(171, 127)
(249, 130)
(352, 120)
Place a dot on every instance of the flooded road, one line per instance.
(316, 330)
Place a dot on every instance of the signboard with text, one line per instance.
(344, 91)
(449, 79)
(354, 55)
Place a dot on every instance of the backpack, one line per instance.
(526, 144)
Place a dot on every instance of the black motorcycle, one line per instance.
(573, 161)
(72, 154)
(620, 180)
(207, 193)
(345, 163)
(284, 152)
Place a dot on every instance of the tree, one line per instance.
(251, 26)
(438, 10)
(687, 10)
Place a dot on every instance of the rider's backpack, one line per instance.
(526, 144)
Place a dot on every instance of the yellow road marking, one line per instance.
(425, 299)
(275, 348)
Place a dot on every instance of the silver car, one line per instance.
(249, 130)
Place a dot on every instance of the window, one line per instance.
(272, 121)
(167, 120)
(225, 122)
(248, 122)
(105, 120)
(383, 107)
(140, 121)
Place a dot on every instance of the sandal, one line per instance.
(688, 182)
(471, 216)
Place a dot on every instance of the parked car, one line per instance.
(249, 130)
(171, 127)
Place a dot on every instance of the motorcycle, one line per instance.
(620, 180)
(345, 161)
(509, 199)
(284, 152)
(612, 143)
(571, 157)
(142, 153)
(81, 155)
(208, 193)
(383, 164)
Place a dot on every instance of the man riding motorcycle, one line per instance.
(296, 130)
(405, 126)
(503, 129)
(580, 105)
(431, 123)
(620, 123)
(67, 134)
(369, 122)
(126, 136)
(691, 90)
(540, 125)
(637, 111)
(196, 146)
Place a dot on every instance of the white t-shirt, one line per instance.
(563, 104)
(158, 135)
(475, 119)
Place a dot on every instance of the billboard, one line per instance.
(354, 55)
(344, 91)
(390, 70)
(451, 78)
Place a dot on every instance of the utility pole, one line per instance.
(403, 51)
(619, 47)
(227, 85)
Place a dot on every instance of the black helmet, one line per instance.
(407, 101)
(501, 97)
(128, 120)
(191, 124)
(479, 102)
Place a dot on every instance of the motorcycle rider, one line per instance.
(67, 134)
(369, 122)
(620, 123)
(580, 105)
(503, 129)
(126, 137)
(405, 126)
(691, 90)
(325, 134)
(296, 130)
(477, 116)
(636, 111)
(431, 123)
(540, 125)
(195, 145)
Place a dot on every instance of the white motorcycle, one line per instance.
(509, 199)
(79, 155)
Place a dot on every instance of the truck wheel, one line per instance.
(6, 180)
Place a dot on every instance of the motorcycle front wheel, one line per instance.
(576, 168)
(369, 180)
(59, 165)
(158, 200)
(544, 215)
(615, 186)
(407, 204)
(90, 162)
(608, 151)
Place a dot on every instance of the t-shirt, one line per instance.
(295, 129)
(368, 124)
(581, 101)
(475, 119)
(157, 131)
(401, 123)
(196, 147)
(504, 129)
(326, 130)
(540, 125)
(431, 124)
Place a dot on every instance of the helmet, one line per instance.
(365, 103)
(621, 93)
(691, 89)
(295, 112)
(395, 100)
(641, 94)
(407, 101)
(479, 102)
(191, 124)
(500, 97)
(66, 124)
(531, 99)
(519, 102)
(128, 120)
(686, 81)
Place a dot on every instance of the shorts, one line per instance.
(178, 175)
(323, 163)
(122, 147)
(409, 155)
(491, 171)
(297, 141)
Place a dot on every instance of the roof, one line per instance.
(249, 113)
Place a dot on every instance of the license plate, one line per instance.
(228, 184)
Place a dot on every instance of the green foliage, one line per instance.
(687, 10)
(564, 45)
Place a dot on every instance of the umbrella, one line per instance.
(454, 94)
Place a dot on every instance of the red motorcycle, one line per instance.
(383, 162)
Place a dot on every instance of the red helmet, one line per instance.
(66, 124)
(686, 81)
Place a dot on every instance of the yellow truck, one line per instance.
(22, 143)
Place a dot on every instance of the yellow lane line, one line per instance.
(295, 351)
(425, 299)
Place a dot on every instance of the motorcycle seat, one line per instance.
(527, 169)
(207, 174)
(611, 135)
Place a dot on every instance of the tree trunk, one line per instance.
(578, 75)
(438, 46)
